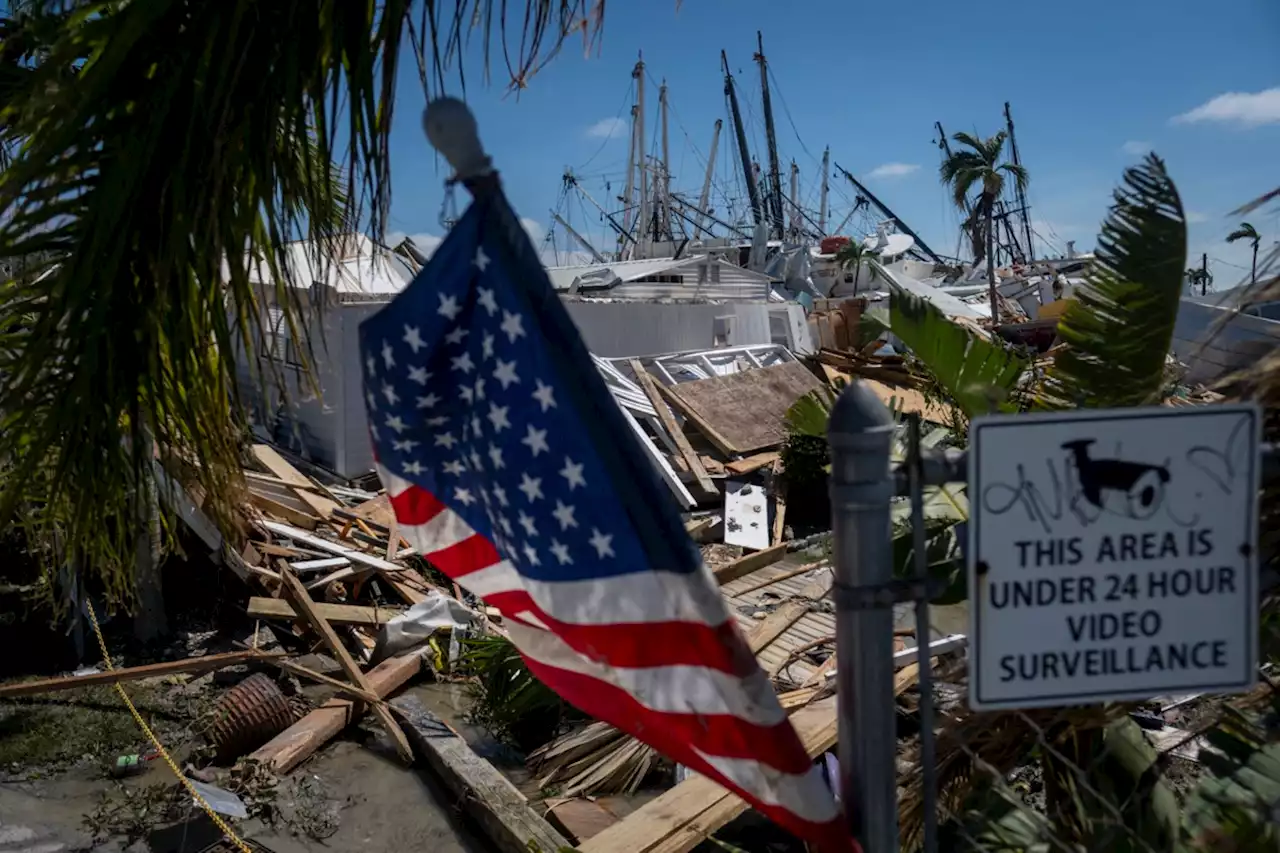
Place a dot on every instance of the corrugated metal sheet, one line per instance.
(699, 278)
(363, 269)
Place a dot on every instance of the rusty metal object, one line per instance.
(247, 716)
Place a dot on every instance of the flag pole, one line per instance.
(451, 129)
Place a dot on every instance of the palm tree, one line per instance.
(850, 256)
(193, 130)
(1248, 232)
(1199, 277)
(978, 163)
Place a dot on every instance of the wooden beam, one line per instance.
(752, 463)
(310, 613)
(721, 443)
(776, 623)
(300, 741)
(747, 564)
(495, 804)
(355, 556)
(132, 673)
(268, 458)
(779, 486)
(284, 511)
(337, 614)
(649, 386)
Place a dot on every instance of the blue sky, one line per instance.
(1092, 84)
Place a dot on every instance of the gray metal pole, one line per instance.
(860, 434)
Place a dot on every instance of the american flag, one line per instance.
(510, 468)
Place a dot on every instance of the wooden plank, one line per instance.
(338, 614)
(788, 575)
(132, 673)
(579, 817)
(310, 613)
(484, 793)
(268, 458)
(325, 545)
(773, 625)
(752, 463)
(703, 426)
(748, 409)
(747, 564)
(297, 743)
(316, 565)
(282, 511)
(650, 388)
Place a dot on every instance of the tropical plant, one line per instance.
(851, 256)
(509, 701)
(1248, 232)
(978, 164)
(194, 134)
(1199, 277)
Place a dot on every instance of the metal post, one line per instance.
(924, 639)
(860, 434)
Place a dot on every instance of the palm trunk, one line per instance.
(1253, 273)
(857, 273)
(989, 203)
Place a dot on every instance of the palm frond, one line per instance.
(1120, 323)
(974, 142)
(1021, 177)
(194, 135)
(1258, 202)
(1244, 232)
(974, 371)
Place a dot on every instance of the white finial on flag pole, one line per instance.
(451, 130)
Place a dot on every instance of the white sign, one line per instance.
(1112, 554)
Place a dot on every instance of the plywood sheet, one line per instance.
(748, 408)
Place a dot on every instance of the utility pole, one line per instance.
(1205, 278)
(775, 176)
(744, 154)
(705, 198)
(822, 199)
(1019, 192)
(642, 226)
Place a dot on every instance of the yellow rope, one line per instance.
(164, 753)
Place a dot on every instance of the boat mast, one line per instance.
(753, 193)
(1020, 193)
(775, 176)
(822, 199)
(582, 241)
(666, 164)
(624, 231)
(934, 256)
(642, 226)
(795, 204)
(705, 198)
(629, 195)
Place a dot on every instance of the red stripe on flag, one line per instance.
(415, 506)
(471, 554)
(675, 735)
(641, 645)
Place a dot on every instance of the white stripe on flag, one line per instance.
(806, 796)
(667, 689)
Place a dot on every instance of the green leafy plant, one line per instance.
(509, 701)
(975, 371)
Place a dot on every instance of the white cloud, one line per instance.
(607, 128)
(1194, 216)
(1136, 147)
(1244, 109)
(892, 170)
